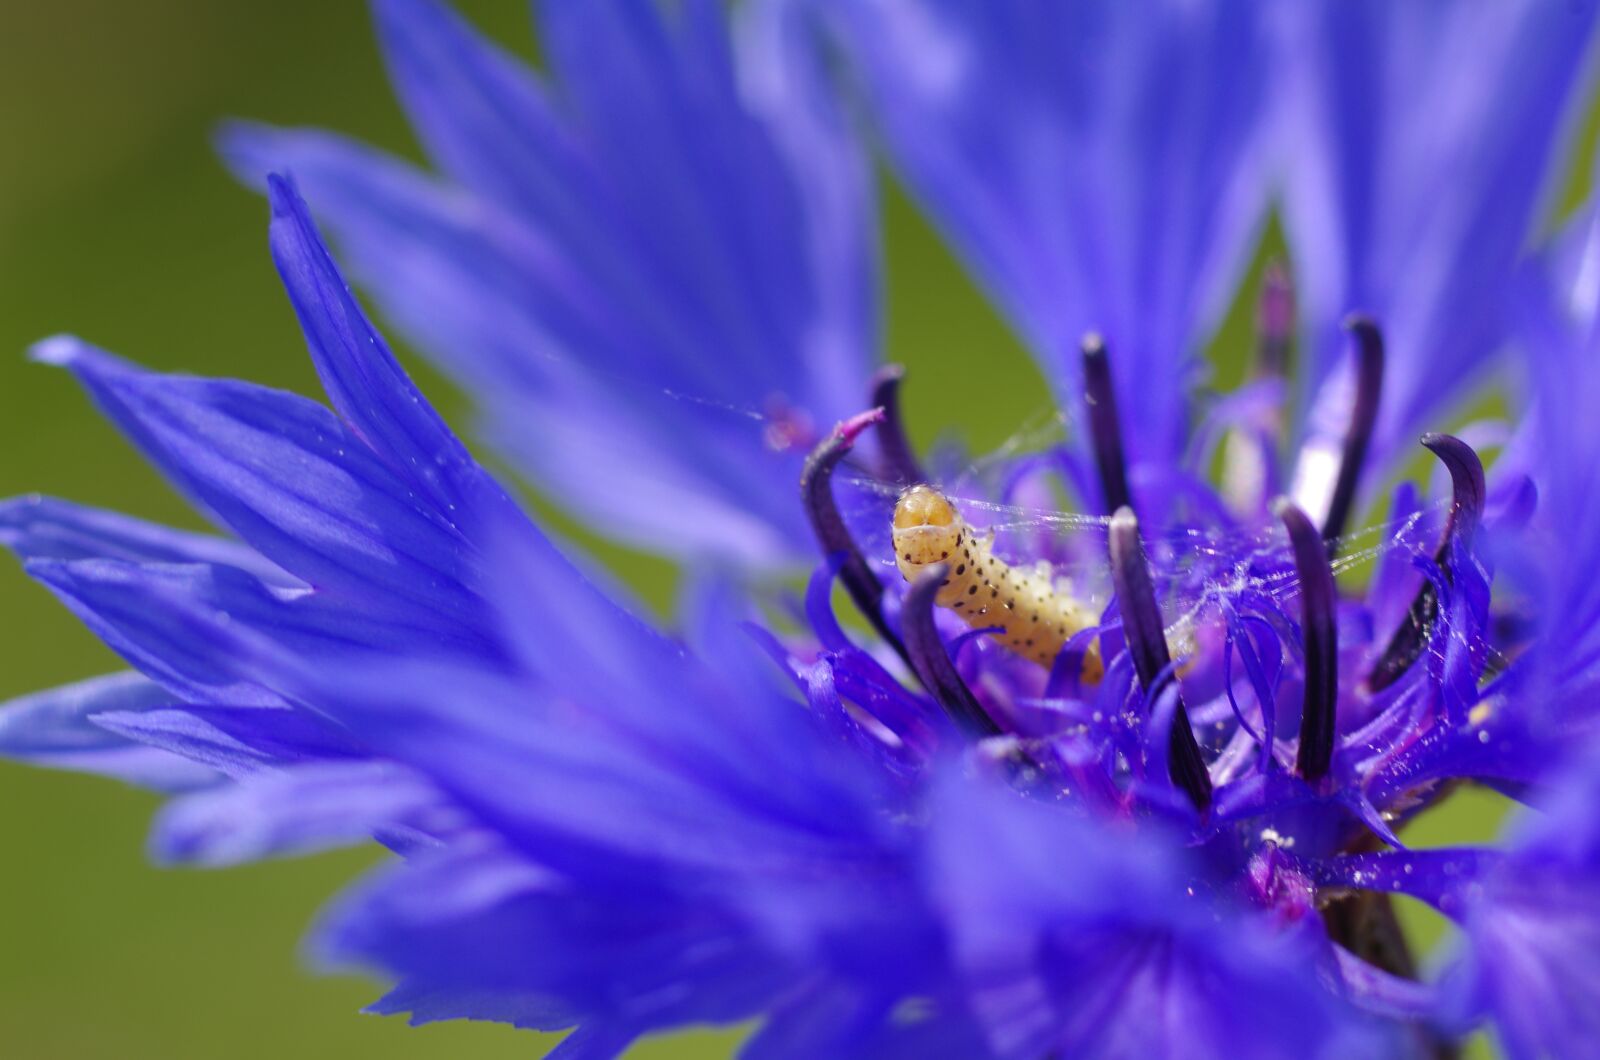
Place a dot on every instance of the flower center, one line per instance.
(948, 564)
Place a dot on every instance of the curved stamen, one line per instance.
(1147, 643)
(1466, 511)
(900, 464)
(816, 494)
(1105, 429)
(1467, 487)
(1363, 415)
(928, 658)
(1320, 635)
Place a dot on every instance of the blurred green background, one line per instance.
(117, 223)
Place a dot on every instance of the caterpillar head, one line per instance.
(927, 529)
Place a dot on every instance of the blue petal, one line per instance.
(287, 477)
(181, 624)
(634, 809)
(867, 1022)
(501, 309)
(671, 306)
(455, 271)
(744, 730)
(54, 728)
(46, 528)
(118, 574)
(1086, 941)
(1533, 930)
(294, 811)
(1097, 164)
(1421, 139)
(236, 741)
(124, 605)
(595, 1041)
(1558, 313)
(362, 379)
(476, 932)
(482, 116)
(622, 763)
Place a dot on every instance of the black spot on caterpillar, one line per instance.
(1036, 620)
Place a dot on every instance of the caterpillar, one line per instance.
(1035, 616)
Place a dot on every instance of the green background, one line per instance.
(117, 223)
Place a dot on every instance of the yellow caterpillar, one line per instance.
(1036, 618)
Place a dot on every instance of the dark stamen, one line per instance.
(1364, 414)
(1147, 641)
(1466, 510)
(1274, 322)
(931, 662)
(899, 460)
(1467, 488)
(1319, 633)
(816, 494)
(1105, 429)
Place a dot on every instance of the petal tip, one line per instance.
(245, 148)
(83, 359)
(60, 351)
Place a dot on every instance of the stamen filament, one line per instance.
(1467, 486)
(1105, 428)
(1466, 511)
(1319, 633)
(1147, 643)
(900, 464)
(1363, 416)
(816, 494)
(931, 662)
